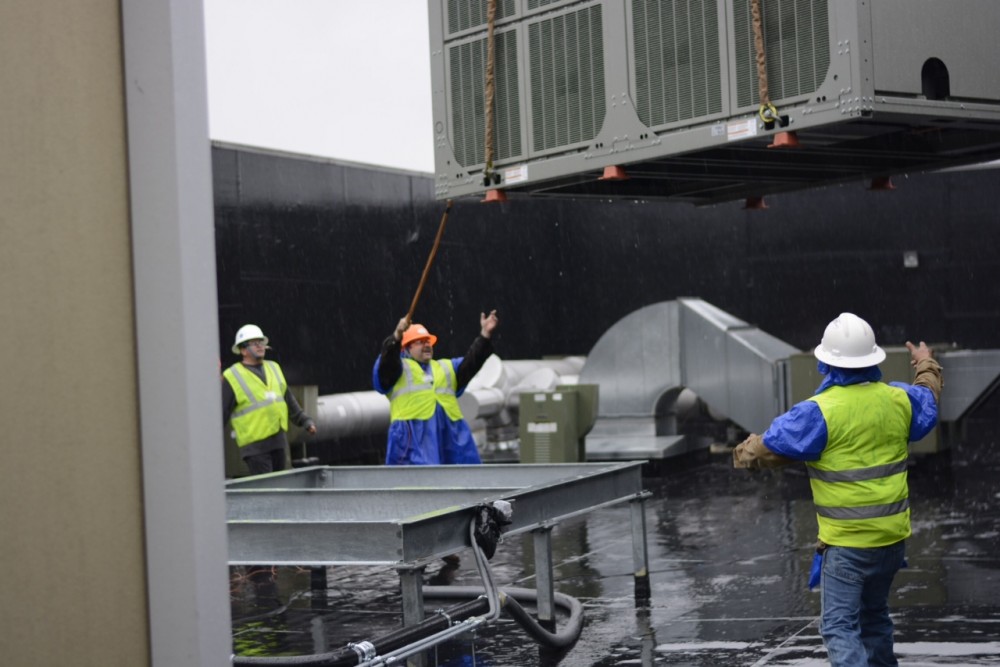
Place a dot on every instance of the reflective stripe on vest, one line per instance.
(261, 410)
(417, 393)
(859, 483)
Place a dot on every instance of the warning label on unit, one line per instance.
(542, 427)
(514, 175)
(741, 129)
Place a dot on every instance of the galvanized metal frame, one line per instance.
(407, 516)
(363, 518)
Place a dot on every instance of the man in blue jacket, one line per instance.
(853, 436)
(426, 425)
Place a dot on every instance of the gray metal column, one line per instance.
(640, 552)
(173, 259)
(411, 583)
(543, 576)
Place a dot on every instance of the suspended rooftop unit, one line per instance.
(661, 99)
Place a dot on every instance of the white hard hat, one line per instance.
(247, 332)
(849, 342)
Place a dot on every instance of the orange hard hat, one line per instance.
(417, 332)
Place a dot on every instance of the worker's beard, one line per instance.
(417, 353)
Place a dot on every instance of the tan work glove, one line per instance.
(752, 454)
(926, 369)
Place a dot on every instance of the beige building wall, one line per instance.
(71, 517)
(79, 198)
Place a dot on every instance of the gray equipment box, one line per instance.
(669, 92)
(552, 424)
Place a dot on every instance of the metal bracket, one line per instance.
(365, 650)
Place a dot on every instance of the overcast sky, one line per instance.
(346, 79)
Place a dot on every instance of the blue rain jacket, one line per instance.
(435, 441)
(800, 434)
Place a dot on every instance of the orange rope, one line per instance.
(491, 13)
(430, 260)
(767, 111)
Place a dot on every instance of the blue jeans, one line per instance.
(856, 627)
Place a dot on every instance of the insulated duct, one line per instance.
(494, 388)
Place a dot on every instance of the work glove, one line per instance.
(753, 454)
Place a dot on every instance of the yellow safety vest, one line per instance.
(417, 393)
(859, 482)
(260, 409)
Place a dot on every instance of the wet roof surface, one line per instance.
(729, 554)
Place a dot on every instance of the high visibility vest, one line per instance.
(260, 408)
(417, 392)
(859, 482)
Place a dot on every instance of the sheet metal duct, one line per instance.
(970, 376)
(645, 361)
(732, 366)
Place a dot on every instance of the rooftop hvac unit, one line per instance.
(662, 99)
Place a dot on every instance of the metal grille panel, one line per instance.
(796, 42)
(466, 14)
(567, 78)
(467, 91)
(677, 60)
(537, 4)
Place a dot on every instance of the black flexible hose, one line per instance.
(413, 639)
(561, 639)
(347, 656)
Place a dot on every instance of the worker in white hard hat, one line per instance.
(257, 403)
(426, 425)
(853, 436)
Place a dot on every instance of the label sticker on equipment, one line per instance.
(742, 129)
(542, 427)
(514, 175)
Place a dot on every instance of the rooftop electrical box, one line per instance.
(658, 99)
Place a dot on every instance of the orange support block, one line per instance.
(614, 173)
(785, 140)
(498, 196)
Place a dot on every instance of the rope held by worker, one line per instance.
(430, 260)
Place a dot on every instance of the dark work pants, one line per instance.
(267, 462)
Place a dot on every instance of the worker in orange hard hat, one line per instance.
(426, 425)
